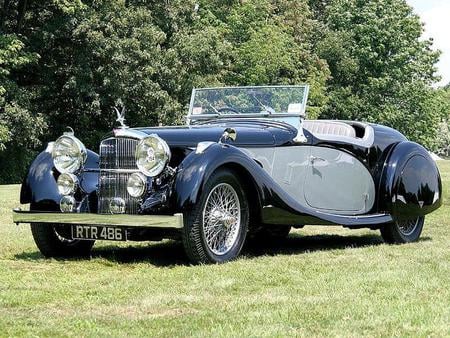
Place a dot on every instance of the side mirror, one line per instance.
(228, 134)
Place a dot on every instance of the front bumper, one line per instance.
(123, 220)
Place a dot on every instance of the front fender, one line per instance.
(196, 169)
(39, 186)
(410, 184)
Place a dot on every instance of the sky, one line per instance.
(436, 16)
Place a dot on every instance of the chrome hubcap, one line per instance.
(407, 227)
(221, 219)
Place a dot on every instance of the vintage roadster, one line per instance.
(246, 165)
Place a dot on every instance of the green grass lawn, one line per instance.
(323, 281)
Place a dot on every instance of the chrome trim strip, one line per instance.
(241, 116)
(125, 171)
(202, 146)
(126, 220)
(256, 87)
(50, 147)
(131, 133)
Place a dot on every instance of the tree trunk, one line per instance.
(21, 9)
(3, 12)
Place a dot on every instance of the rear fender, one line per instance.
(410, 184)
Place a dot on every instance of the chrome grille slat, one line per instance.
(117, 163)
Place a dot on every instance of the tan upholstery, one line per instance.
(324, 127)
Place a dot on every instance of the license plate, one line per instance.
(98, 233)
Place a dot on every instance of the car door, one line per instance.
(338, 182)
(290, 167)
(286, 165)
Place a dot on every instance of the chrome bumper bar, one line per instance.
(147, 221)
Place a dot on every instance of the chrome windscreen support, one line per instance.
(300, 138)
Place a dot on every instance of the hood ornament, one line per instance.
(121, 117)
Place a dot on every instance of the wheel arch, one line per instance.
(196, 169)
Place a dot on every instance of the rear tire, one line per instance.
(53, 241)
(405, 231)
(215, 230)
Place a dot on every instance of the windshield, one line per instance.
(248, 101)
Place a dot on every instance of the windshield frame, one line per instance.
(190, 117)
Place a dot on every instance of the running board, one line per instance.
(274, 215)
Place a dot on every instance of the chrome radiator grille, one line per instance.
(117, 163)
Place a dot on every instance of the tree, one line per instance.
(19, 127)
(381, 69)
(442, 103)
(264, 42)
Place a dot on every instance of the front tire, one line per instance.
(405, 231)
(53, 241)
(216, 228)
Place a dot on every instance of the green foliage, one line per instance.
(381, 70)
(20, 129)
(442, 102)
(12, 97)
(69, 62)
(250, 43)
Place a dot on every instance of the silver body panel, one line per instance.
(325, 179)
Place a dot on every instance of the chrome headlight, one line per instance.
(152, 155)
(69, 154)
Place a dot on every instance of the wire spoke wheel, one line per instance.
(403, 231)
(215, 228)
(407, 227)
(221, 219)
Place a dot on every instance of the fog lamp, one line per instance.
(117, 205)
(67, 184)
(136, 185)
(67, 204)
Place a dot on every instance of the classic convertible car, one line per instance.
(246, 165)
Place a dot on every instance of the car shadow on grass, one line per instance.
(171, 253)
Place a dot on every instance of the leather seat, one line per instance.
(326, 127)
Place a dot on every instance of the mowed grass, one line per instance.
(323, 281)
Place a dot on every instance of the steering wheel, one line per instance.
(227, 110)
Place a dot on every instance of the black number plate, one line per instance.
(98, 233)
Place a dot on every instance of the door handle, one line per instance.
(313, 159)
